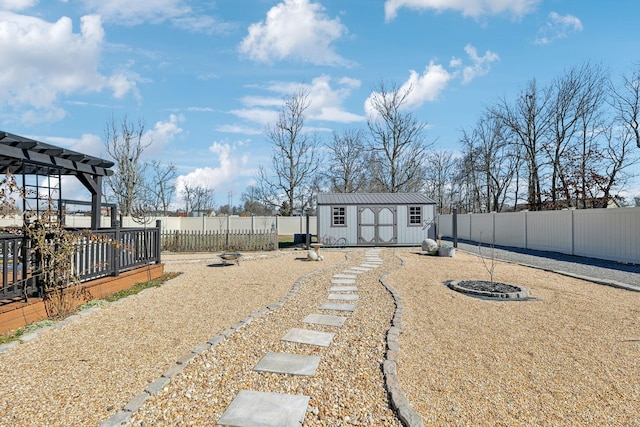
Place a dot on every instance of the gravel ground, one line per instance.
(589, 267)
(84, 372)
(568, 357)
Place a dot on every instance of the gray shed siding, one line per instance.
(362, 210)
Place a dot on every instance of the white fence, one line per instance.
(612, 234)
(284, 225)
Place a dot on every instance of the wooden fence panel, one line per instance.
(217, 240)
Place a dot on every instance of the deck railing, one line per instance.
(99, 253)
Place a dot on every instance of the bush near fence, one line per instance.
(217, 240)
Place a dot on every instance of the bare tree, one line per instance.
(124, 143)
(400, 151)
(527, 126)
(161, 185)
(294, 159)
(575, 124)
(439, 178)
(493, 161)
(347, 163)
(201, 199)
(252, 201)
(197, 198)
(626, 101)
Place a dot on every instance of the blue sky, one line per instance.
(208, 76)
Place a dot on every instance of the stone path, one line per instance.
(253, 408)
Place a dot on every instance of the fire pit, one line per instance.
(228, 257)
(488, 289)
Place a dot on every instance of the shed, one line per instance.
(376, 219)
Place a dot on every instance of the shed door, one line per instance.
(377, 225)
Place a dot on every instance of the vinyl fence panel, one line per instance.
(612, 234)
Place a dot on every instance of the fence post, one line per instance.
(158, 243)
(116, 249)
(454, 219)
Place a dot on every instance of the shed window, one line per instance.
(415, 215)
(339, 216)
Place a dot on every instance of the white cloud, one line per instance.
(472, 8)
(231, 166)
(481, 65)
(235, 128)
(298, 30)
(87, 144)
(129, 12)
(48, 61)
(558, 27)
(420, 87)
(326, 99)
(163, 133)
(17, 4)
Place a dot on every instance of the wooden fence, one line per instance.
(218, 240)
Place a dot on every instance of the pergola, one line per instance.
(20, 155)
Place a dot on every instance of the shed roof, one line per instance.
(15, 149)
(374, 199)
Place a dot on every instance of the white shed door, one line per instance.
(377, 225)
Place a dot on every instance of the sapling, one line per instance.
(490, 267)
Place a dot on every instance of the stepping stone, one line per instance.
(285, 363)
(325, 319)
(351, 271)
(306, 336)
(371, 265)
(254, 408)
(344, 276)
(343, 289)
(345, 297)
(337, 307)
(343, 281)
(363, 269)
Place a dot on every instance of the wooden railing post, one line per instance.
(116, 247)
(158, 243)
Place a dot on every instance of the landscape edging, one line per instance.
(405, 412)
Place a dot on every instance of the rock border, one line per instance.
(458, 286)
(399, 403)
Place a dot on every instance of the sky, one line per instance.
(208, 77)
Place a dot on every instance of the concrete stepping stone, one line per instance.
(259, 409)
(362, 269)
(286, 363)
(344, 276)
(307, 336)
(337, 306)
(343, 289)
(350, 271)
(343, 281)
(325, 319)
(344, 297)
(367, 265)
